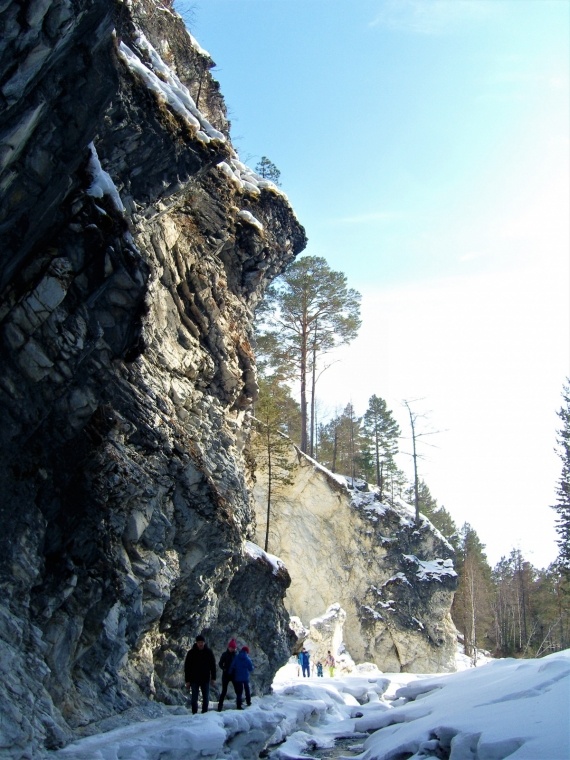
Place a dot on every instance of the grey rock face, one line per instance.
(129, 274)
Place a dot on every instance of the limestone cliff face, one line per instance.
(394, 580)
(135, 246)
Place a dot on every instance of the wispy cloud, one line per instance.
(432, 17)
(375, 216)
(465, 258)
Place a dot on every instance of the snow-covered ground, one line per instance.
(517, 709)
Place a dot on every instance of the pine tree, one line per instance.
(550, 613)
(562, 505)
(270, 445)
(341, 445)
(426, 502)
(396, 482)
(307, 311)
(267, 169)
(445, 523)
(382, 431)
(513, 578)
(472, 605)
(531, 608)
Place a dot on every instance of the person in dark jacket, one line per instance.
(200, 672)
(225, 662)
(240, 669)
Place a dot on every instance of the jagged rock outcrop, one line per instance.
(135, 247)
(393, 578)
(326, 634)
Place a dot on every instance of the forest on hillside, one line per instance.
(510, 610)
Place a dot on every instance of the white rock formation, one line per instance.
(394, 579)
(326, 634)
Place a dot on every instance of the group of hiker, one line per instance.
(304, 660)
(200, 673)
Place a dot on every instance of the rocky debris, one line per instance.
(394, 579)
(127, 289)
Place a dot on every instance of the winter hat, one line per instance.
(199, 637)
(245, 649)
(232, 644)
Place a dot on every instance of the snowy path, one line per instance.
(515, 709)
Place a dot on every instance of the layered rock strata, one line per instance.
(342, 546)
(135, 246)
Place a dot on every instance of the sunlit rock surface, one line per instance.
(135, 247)
(394, 579)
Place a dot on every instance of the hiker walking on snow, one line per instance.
(225, 662)
(330, 663)
(240, 669)
(200, 673)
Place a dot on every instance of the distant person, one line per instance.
(305, 660)
(225, 663)
(200, 673)
(319, 669)
(330, 663)
(240, 669)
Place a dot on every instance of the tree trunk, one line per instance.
(313, 384)
(268, 488)
(335, 448)
(416, 490)
(377, 455)
(303, 363)
(352, 452)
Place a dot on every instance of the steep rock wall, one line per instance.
(393, 578)
(135, 247)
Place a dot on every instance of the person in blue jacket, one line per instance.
(239, 670)
(304, 661)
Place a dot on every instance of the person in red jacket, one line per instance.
(200, 672)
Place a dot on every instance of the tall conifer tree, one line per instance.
(270, 444)
(307, 311)
(472, 604)
(382, 431)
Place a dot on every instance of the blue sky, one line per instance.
(424, 146)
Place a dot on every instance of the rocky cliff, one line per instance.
(135, 246)
(393, 578)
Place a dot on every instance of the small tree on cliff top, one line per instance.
(383, 432)
(267, 169)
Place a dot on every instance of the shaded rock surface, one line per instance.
(135, 247)
(393, 578)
